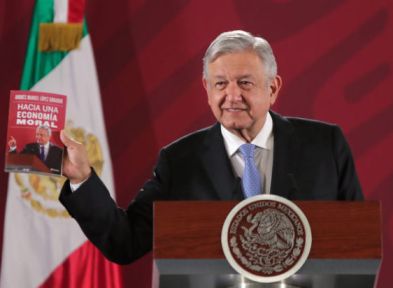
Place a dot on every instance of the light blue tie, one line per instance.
(251, 179)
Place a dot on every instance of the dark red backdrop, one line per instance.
(335, 57)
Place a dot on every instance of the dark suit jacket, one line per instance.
(312, 161)
(54, 158)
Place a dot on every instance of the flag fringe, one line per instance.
(59, 36)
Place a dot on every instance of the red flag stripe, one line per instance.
(86, 267)
(76, 10)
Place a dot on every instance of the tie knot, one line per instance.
(247, 150)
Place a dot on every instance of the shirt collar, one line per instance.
(46, 146)
(264, 138)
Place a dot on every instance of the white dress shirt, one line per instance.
(264, 142)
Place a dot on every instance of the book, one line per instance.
(35, 120)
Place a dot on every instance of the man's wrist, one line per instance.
(76, 183)
(83, 176)
(76, 186)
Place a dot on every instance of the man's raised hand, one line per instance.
(76, 165)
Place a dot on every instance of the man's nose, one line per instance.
(233, 92)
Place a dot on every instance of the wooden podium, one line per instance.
(24, 163)
(345, 252)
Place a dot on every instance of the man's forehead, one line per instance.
(42, 131)
(243, 62)
(243, 54)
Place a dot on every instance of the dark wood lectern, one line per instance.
(24, 163)
(345, 252)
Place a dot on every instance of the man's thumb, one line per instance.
(67, 141)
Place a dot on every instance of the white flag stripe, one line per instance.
(37, 240)
(61, 11)
(76, 77)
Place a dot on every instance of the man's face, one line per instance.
(42, 136)
(239, 93)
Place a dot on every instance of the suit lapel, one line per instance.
(218, 166)
(50, 150)
(36, 149)
(286, 150)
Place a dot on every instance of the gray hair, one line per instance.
(46, 128)
(238, 41)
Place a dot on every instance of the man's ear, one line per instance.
(274, 88)
(204, 82)
(206, 86)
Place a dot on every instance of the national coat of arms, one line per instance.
(266, 238)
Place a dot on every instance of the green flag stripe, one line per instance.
(39, 64)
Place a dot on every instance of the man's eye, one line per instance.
(220, 84)
(245, 83)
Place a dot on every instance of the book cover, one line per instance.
(35, 120)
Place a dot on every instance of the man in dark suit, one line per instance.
(48, 152)
(298, 159)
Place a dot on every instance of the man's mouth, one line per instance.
(234, 109)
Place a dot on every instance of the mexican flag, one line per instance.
(43, 246)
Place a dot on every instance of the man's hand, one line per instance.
(76, 164)
(12, 143)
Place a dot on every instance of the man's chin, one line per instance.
(235, 126)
